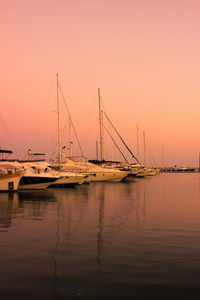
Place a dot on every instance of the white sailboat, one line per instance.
(149, 171)
(90, 171)
(95, 173)
(66, 178)
(111, 174)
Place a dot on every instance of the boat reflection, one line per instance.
(71, 208)
(36, 196)
(73, 231)
(100, 228)
(118, 207)
(8, 208)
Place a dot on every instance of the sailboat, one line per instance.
(66, 178)
(91, 171)
(95, 173)
(107, 173)
(136, 170)
(149, 171)
(38, 174)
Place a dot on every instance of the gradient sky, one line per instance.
(144, 55)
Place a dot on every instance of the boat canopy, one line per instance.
(37, 154)
(6, 151)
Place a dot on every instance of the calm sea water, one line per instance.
(136, 240)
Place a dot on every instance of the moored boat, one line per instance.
(10, 173)
(94, 172)
(34, 177)
(39, 175)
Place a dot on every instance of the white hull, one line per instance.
(95, 172)
(10, 182)
(34, 186)
(38, 175)
(68, 180)
(109, 176)
(151, 173)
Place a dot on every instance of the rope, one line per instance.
(121, 139)
(35, 124)
(8, 135)
(152, 158)
(116, 144)
(72, 123)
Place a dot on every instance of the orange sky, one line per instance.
(144, 55)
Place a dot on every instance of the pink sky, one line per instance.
(144, 55)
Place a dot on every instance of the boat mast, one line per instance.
(97, 151)
(163, 156)
(144, 148)
(70, 140)
(102, 149)
(58, 116)
(138, 153)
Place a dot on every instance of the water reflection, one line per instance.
(37, 196)
(100, 228)
(199, 184)
(70, 210)
(55, 252)
(122, 202)
(34, 205)
(8, 207)
(144, 203)
(118, 206)
(104, 239)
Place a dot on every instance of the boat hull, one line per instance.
(35, 183)
(10, 182)
(67, 181)
(109, 176)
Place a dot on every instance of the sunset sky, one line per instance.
(144, 55)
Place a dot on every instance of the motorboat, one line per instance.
(34, 177)
(10, 173)
(94, 172)
(39, 175)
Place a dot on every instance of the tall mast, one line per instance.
(70, 140)
(144, 148)
(97, 151)
(199, 161)
(102, 149)
(58, 116)
(163, 156)
(138, 153)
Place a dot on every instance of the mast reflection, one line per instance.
(8, 208)
(100, 228)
